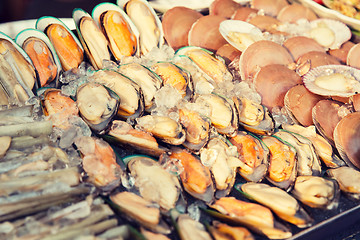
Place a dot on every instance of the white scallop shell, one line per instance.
(346, 85)
(244, 33)
(341, 32)
(25, 34)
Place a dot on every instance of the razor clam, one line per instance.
(124, 134)
(146, 21)
(222, 161)
(145, 78)
(222, 112)
(174, 76)
(195, 177)
(162, 127)
(316, 192)
(65, 43)
(253, 116)
(213, 66)
(154, 183)
(280, 202)
(99, 162)
(140, 210)
(307, 161)
(197, 128)
(322, 147)
(118, 28)
(348, 179)
(222, 231)
(97, 105)
(130, 94)
(253, 154)
(17, 76)
(282, 163)
(252, 215)
(92, 39)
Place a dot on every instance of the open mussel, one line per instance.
(280, 202)
(146, 21)
(97, 105)
(18, 76)
(253, 154)
(316, 192)
(252, 215)
(145, 78)
(65, 43)
(42, 54)
(221, 231)
(154, 182)
(93, 40)
(130, 94)
(118, 28)
(348, 180)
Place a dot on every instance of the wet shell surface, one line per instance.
(299, 45)
(240, 34)
(224, 8)
(353, 56)
(271, 8)
(294, 12)
(333, 80)
(244, 13)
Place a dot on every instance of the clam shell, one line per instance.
(333, 80)
(347, 137)
(240, 34)
(343, 52)
(228, 53)
(243, 13)
(329, 33)
(299, 45)
(103, 7)
(271, 8)
(27, 33)
(314, 59)
(294, 12)
(353, 56)
(224, 8)
(138, 19)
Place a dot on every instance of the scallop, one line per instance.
(333, 80)
(224, 8)
(270, 7)
(299, 45)
(240, 34)
(342, 53)
(329, 33)
(294, 12)
(352, 58)
(314, 59)
(244, 13)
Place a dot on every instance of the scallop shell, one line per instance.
(329, 33)
(347, 85)
(240, 34)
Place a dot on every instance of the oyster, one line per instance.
(316, 192)
(222, 162)
(282, 163)
(99, 162)
(92, 39)
(222, 112)
(253, 154)
(97, 105)
(163, 128)
(154, 183)
(66, 44)
(42, 54)
(195, 177)
(124, 134)
(118, 28)
(214, 67)
(308, 163)
(254, 216)
(139, 210)
(280, 202)
(130, 94)
(145, 78)
(146, 21)
(348, 180)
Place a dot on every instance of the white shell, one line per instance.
(25, 34)
(244, 33)
(329, 33)
(345, 84)
(122, 3)
(43, 22)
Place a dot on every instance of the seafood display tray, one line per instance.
(327, 223)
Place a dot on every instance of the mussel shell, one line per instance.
(45, 24)
(176, 23)
(21, 39)
(120, 18)
(97, 104)
(347, 137)
(348, 180)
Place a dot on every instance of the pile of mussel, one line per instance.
(135, 126)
